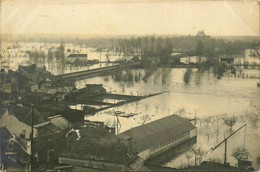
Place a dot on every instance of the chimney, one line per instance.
(113, 130)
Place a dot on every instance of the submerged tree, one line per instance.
(188, 156)
(145, 118)
(187, 74)
(198, 154)
(258, 160)
(180, 112)
(253, 119)
(230, 122)
(199, 50)
(240, 153)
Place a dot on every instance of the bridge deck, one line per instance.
(97, 71)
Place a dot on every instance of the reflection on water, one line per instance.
(174, 152)
(204, 97)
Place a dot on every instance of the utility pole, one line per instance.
(225, 158)
(30, 167)
(225, 140)
(100, 58)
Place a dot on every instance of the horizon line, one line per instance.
(112, 35)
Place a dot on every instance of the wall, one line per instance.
(193, 133)
(92, 164)
(167, 144)
(14, 126)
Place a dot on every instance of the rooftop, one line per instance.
(24, 114)
(95, 143)
(154, 132)
(77, 55)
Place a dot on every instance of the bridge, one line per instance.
(97, 72)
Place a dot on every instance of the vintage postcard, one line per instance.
(129, 85)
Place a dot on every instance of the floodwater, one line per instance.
(205, 97)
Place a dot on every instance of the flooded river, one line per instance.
(205, 97)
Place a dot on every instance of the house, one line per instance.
(18, 121)
(79, 57)
(95, 89)
(60, 122)
(193, 60)
(89, 90)
(156, 137)
(96, 148)
(34, 74)
(46, 83)
(227, 60)
(15, 126)
(6, 148)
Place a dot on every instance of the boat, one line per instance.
(129, 115)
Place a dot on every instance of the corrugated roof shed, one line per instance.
(153, 133)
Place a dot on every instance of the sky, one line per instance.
(122, 17)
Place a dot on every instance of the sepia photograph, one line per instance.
(129, 85)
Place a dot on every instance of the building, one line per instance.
(15, 126)
(77, 57)
(202, 34)
(95, 89)
(227, 60)
(156, 137)
(17, 121)
(89, 90)
(94, 148)
(193, 60)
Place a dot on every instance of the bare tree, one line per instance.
(242, 117)
(157, 107)
(208, 134)
(137, 104)
(198, 154)
(145, 118)
(208, 120)
(258, 160)
(146, 106)
(188, 156)
(230, 122)
(240, 153)
(180, 112)
(253, 119)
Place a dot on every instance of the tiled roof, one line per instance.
(2, 111)
(24, 114)
(148, 135)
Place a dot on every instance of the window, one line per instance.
(23, 132)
